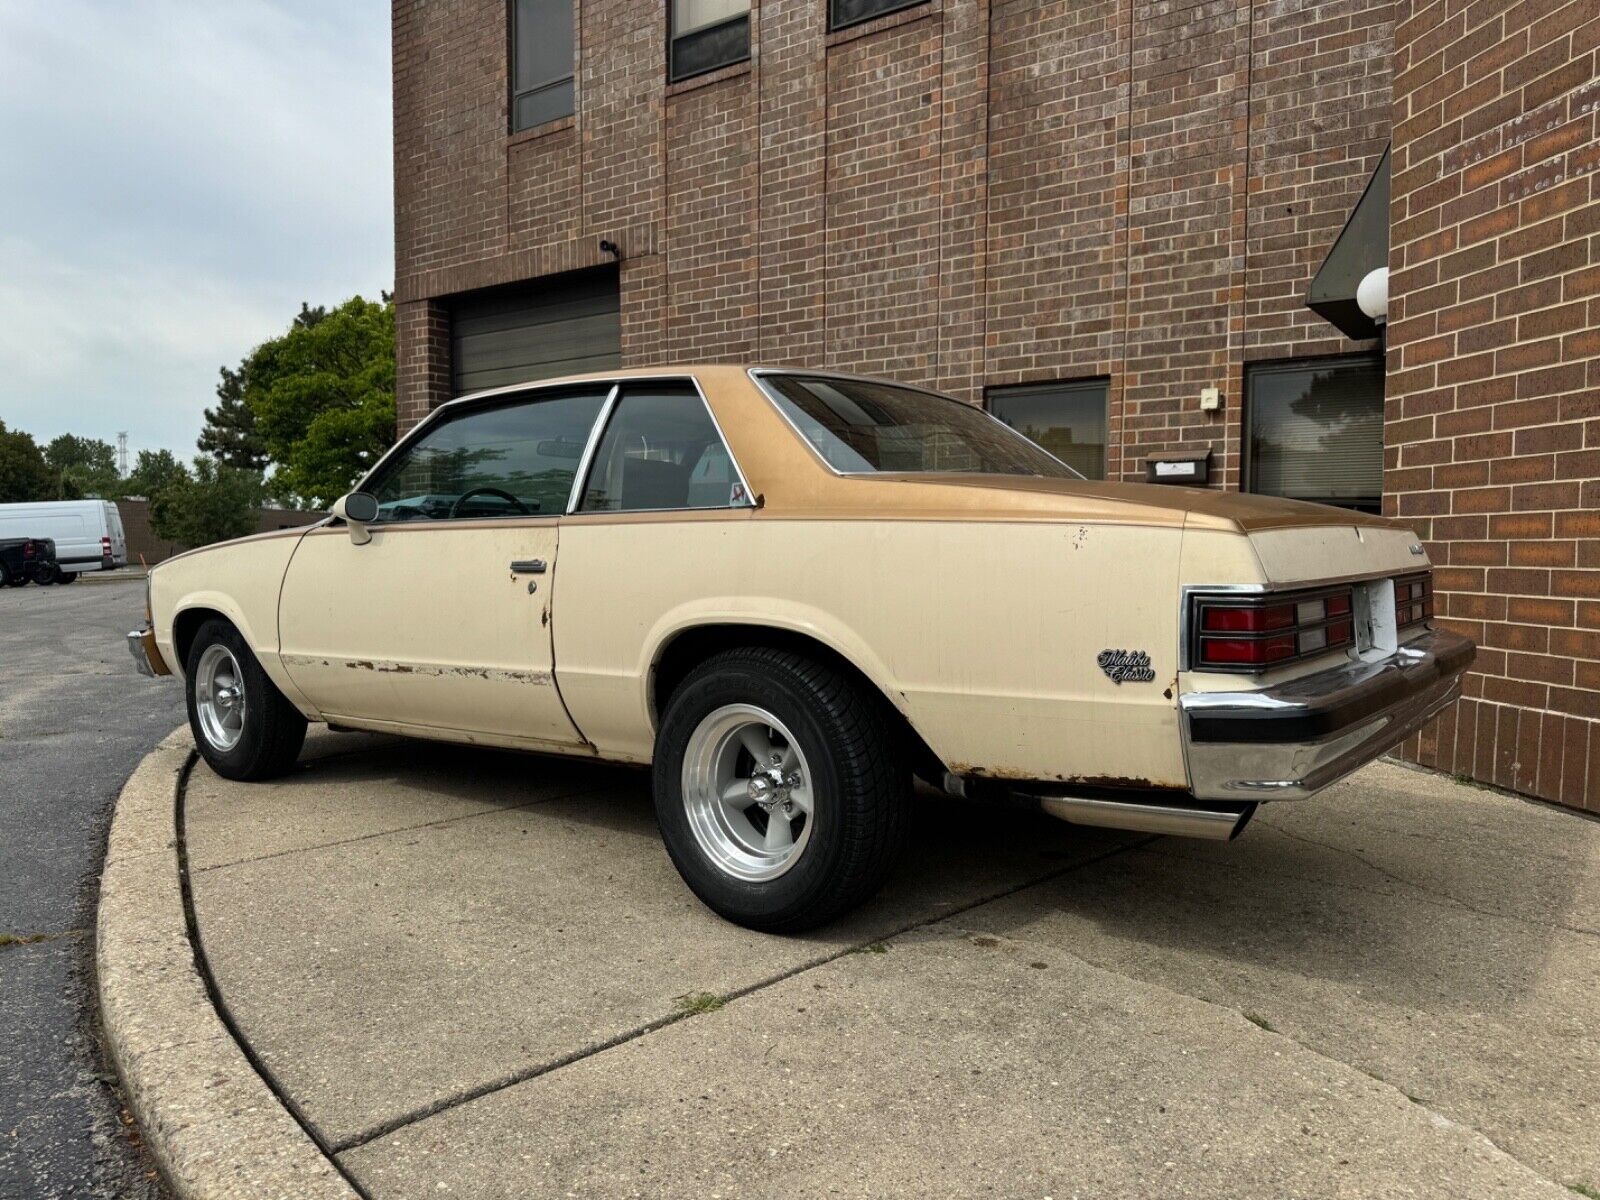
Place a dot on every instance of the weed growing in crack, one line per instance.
(692, 1004)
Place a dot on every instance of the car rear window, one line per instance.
(861, 426)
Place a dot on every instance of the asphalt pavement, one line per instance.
(75, 719)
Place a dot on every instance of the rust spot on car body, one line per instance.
(426, 670)
(1109, 782)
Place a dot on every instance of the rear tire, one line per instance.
(835, 775)
(46, 575)
(243, 726)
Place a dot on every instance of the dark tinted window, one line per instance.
(853, 12)
(661, 450)
(500, 462)
(707, 34)
(1315, 431)
(541, 62)
(860, 425)
(1067, 419)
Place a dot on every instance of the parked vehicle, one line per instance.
(87, 533)
(22, 559)
(787, 591)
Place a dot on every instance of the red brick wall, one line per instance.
(422, 357)
(1056, 267)
(711, 224)
(1493, 422)
(968, 192)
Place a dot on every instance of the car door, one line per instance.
(442, 620)
(656, 528)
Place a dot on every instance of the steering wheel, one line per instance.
(489, 491)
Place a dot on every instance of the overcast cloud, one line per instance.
(176, 176)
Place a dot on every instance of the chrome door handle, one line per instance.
(528, 566)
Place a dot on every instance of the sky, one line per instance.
(176, 176)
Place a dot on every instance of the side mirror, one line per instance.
(357, 510)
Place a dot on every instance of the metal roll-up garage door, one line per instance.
(561, 325)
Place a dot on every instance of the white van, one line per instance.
(88, 533)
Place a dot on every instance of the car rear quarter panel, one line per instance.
(984, 634)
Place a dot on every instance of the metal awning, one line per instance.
(1361, 247)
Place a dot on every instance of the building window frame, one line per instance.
(878, 8)
(1085, 386)
(553, 88)
(1249, 465)
(711, 42)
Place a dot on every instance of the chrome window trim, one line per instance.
(586, 464)
(614, 383)
(586, 459)
(758, 377)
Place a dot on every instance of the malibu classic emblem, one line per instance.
(1126, 666)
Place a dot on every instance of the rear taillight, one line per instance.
(1413, 599)
(105, 545)
(29, 550)
(1253, 632)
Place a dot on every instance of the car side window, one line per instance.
(515, 459)
(661, 450)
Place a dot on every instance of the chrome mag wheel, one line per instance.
(219, 697)
(747, 792)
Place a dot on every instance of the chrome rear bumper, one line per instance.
(1289, 741)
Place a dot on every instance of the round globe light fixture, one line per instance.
(1372, 295)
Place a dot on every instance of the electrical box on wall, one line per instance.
(1210, 399)
(1191, 468)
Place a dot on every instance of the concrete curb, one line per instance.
(122, 576)
(213, 1124)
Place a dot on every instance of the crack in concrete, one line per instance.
(1425, 892)
(1257, 1029)
(525, 1075)
(367, 837)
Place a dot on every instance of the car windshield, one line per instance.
(860, 425)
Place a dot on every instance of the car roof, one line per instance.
(706, 371)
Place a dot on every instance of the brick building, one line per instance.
(1085, 214)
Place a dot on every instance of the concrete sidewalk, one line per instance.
(477, 974)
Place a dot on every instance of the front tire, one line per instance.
(243, 726)
(66, 577)
(781, 789)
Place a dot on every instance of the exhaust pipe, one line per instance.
(1216, 822)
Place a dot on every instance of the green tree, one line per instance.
(152, 471)
(84, 466)
(24, 475)
(229, 435)
(323, 398)
(212, 503)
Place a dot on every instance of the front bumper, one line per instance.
(142, 645)
(1289, 741)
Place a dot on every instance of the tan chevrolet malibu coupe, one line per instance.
(788, 591)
